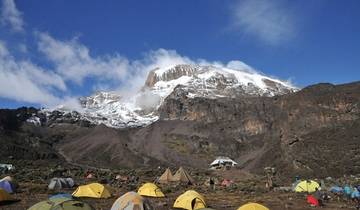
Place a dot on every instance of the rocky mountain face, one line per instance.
(300, 132)
(313, 131)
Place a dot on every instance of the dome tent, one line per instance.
(190, 200)
(61, 204)
(308, 186)
(151, 190)
(7, 186)
(4, 196)
(61, 183)
(93, 190)
(131, 201)
(252, 206)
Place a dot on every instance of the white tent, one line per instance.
(222, 161)
(8, 167)
(60, 183)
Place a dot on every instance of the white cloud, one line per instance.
(268, 20)
(139, 69)
(11, 16)
(26, 82)
(73, 61)
(22, 80)
(3, 50)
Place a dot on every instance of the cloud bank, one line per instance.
(11, 16)
(24, 81)
(71, 63)
(269, 21)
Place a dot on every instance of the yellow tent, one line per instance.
(166, 177)
(151, 190)
(306, 186)
(94, 190)
(252, 206)
(5, 196)
(190, 200)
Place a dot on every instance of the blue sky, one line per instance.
(54, 51)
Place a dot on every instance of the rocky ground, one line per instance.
(247, 187)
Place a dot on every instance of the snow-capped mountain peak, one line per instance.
(208, 81)
(215, 81)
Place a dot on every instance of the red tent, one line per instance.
(226, 182)
(312, 200)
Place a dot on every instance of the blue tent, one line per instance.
(355, 194)
(347, 190)
(336, 189)
(61, 195)
(7, 186)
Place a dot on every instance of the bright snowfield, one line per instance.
(113, 110)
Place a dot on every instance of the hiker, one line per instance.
(319, 196)
(134, 179)
(212, 184)
(347, 191)
(270, 175)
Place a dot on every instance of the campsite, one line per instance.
(179, 105)
(157, 188)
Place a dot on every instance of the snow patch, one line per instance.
(34, 120)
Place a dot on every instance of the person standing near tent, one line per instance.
(212, 183)
(270, 174)
(319, 196)
(347, 191)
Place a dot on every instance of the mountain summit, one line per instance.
(206, 81)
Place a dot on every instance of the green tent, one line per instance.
(61, 204)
